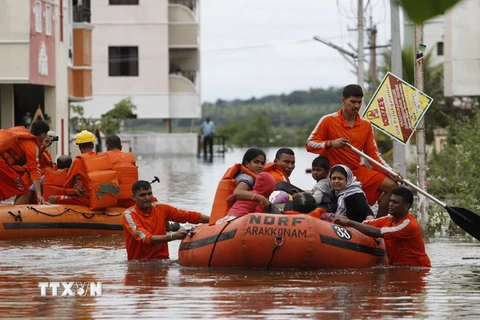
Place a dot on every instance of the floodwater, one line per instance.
(165, 290)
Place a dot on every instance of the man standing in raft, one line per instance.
(335, 130)
(144, 224)
(400, 229)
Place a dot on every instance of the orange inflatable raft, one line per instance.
(262, 240)
(57, 221)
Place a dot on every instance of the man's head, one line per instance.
(142, 195)
(85, 140)
(40, 129)
(207, 119)
(400, 202)
(113, 143)
(320, 168)
(304, 202)
(352, 99)
(64, 161)
(285, 158)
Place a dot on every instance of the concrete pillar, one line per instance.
(7, 116)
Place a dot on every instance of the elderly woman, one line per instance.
(351, 200)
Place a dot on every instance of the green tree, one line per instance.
(454, 172)
(420, 11)
(112, 120)
(77, 120)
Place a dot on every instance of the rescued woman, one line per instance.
(351, 201)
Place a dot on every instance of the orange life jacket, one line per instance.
(124, 163)
(317, 213)
(45, 161)
(225, 188)
(53, 181)
(102, 185)
(10, 149)
(276, 171)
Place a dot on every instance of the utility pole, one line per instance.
(420, 134)
(360, 52)
(373, 57)
(399, 154)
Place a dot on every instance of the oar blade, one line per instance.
(465, 219)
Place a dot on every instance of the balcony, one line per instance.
(184, 97)
(81, 11)
(183, 24)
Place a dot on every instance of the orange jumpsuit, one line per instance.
(333, 126)
(403, 241)
(76, 179)
(15, 180)
(140, 227)
(276, 171)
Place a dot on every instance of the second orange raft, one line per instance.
(262, 240)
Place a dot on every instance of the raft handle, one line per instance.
(278, 243)
(18, 217)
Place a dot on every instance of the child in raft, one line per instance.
(304, 202)
(322, 190)
(264, 185)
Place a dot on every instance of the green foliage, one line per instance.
(112, 120)
(420, 11)
(454, 172)
(77, 121)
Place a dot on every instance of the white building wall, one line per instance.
(146, 26)
(14, 41)
(462, 49)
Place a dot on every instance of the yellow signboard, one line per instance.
(397, 107)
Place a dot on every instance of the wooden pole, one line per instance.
(420, 132)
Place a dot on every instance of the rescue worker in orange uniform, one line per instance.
(19, 165)
(125, 164)
(144, 224)
(400, 229)
(332, 134)
(74, 188)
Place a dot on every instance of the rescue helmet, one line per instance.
(85, 137)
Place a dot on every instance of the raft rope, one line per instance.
(278, 243)
(215, 243)
(18, 217)
(87, 215)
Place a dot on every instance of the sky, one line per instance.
(253, 48)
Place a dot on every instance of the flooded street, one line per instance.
(165, 290)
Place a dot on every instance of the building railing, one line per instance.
(189, 74)
(219, 147)
(82, 11)
(191, 4)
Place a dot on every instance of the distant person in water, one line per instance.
(208, 130)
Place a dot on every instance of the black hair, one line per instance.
(304, 202)
(321, 162)
(64, 161)
(86, 145)
(405, 194)
(352, 90)
(114, 142)
(251, 154)
(140, 185)
(281, 151)
(338, 169)
(39, 127)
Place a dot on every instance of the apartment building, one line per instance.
(147, 50)
(44, 63)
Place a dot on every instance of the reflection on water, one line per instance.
(163, 289)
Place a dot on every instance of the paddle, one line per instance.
(465, 219)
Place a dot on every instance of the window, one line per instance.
(120, 2)
(48, 20)
(38, 17)
(439, 48)
(123, 61)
